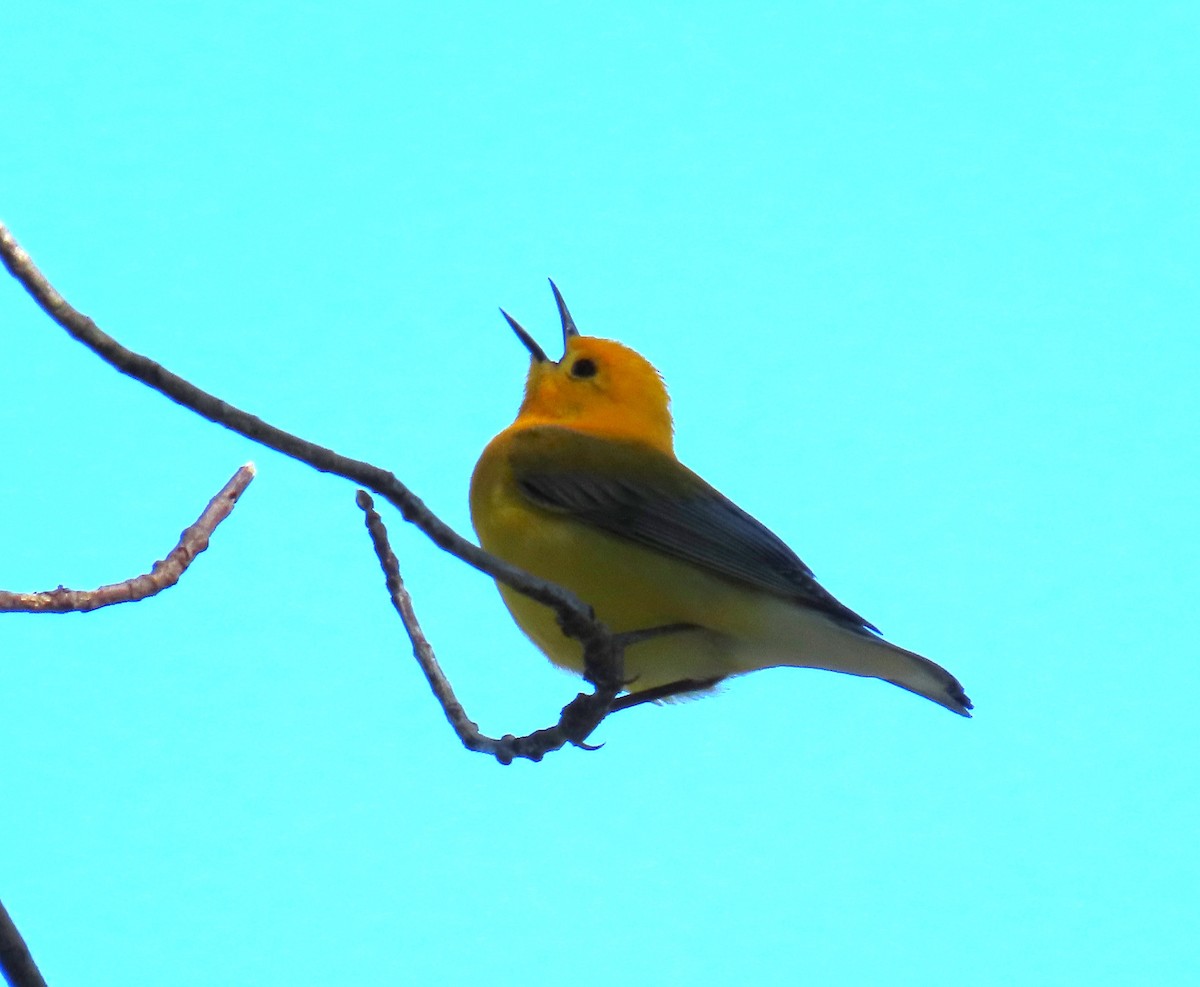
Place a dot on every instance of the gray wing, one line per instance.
(683, 516)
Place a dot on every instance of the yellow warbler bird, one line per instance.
(584, 490)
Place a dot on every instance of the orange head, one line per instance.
(599, 387)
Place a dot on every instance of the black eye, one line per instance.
(583, 368)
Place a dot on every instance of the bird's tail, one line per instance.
(803, 639)
(860, 654)
(928, 678)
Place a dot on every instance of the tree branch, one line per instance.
(574, 614)
(16, 963)
(164, 574)
(603, 652)
(579, 718)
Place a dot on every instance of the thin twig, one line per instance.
(164, 574)
(16, 963)
(579, 718)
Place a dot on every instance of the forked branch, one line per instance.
(603, 651)
(579, 718)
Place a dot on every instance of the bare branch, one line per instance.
(579, 718)
(602, 651)
(574, 615)
(164, 574)
(16, 964)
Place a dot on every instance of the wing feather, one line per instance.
(638, 493)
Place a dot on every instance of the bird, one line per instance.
(584, 489)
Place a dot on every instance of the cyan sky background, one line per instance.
(922, 280)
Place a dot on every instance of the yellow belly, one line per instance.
(625, 587)
(629, 587)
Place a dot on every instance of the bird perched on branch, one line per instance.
(584, 490)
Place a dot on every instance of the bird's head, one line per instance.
(599, 386)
